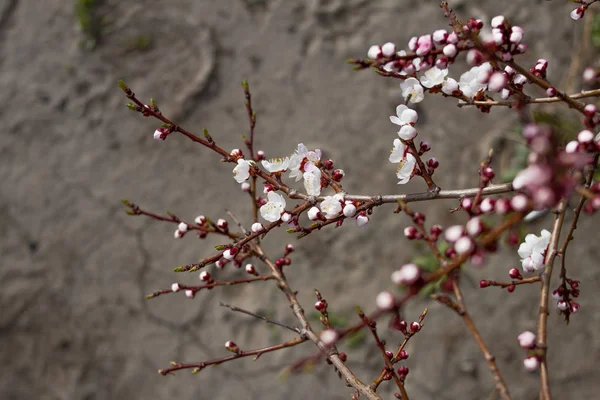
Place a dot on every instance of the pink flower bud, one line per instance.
(349, 209)
(497, 21)
(388, 49)
(235, 153)
(257, 227)
(222, 224)
(406, 275)
(474, 57)
(527, 340)
(384, 300)
(464, 245)
(520, 202)
(250, 269)
(589, 75)
(230, 253)
(231, 346)
(189, 294)
(450, 50)
(329, 337)
(374, 52)
(286, 217)
(175, 287)
(577, 13)
(362, 220)
(515, 274)
(590, 110)
(205, 276)
(497, 81)
(453, 233)
(200, 220)
(585, 137)
(321, 305)
(531, 364)
(562, 305)
(411, 232)
(182, 227)
(245, 186)
(487, 205)
(474, 226)
(313, 213)
(440, 36)
(415, 327)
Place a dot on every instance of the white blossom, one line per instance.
(274, 207)
(406, 168)
(532, 249)
(411, 87)
(407, 132)
(433, 77)
(312, 179)
(298, 157)
(398, 151)
(404, 116)
(331, 206)
(242, 171)
(449, 86)
(470, 81)
(276, 164)
(175, 287)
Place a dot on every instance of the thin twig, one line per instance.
(500, 385)
(267, 320)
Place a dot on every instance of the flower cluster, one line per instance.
(532, 251)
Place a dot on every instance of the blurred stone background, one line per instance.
(74, 268)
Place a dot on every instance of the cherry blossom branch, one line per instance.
(526, 281)
(211, 285)
(539, 100)
(307, 331)
(546, 276)
(542, 83)
(372, 325)
(197, 367)
(442, 194)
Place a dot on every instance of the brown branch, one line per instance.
(195, 289)
(539, 100)
(546, 276)
(491, 360)
(372, 325)
(197, 367)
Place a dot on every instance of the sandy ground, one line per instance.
(74, 268)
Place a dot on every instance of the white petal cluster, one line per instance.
(276, 164)
(532, 251)
(412, 87)
(471, 81)
(331, 206)
(274, 207)
(433, 77)
(242, 171)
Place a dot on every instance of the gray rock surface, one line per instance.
(74, 268)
